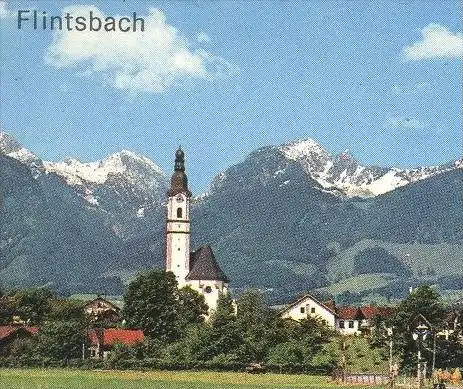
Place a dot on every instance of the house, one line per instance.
(349, 320)
(197, 269)
(9, 334)
(102, 340)
(346, 320)
(310, 306)
(358, 320)
(102, 309)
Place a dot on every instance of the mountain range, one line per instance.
(286, 219)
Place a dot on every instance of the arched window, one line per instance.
(179, 212)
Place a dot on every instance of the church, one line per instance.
(197, 269)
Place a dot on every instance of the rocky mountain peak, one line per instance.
(124, 163)
(343, 173)
(12, 148)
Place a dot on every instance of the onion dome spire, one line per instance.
(179, 160)
(179, 180)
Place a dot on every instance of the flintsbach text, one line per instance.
(90, 22)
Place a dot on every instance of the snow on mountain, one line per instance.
(125, 179)
(124, 182)
(12, 148)
(76, 172)
(344, 173)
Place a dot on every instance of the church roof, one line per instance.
(179, 180)
(203, 266)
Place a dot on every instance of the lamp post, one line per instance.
(419, 335)
(392, 368)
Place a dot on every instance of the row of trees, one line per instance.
(178, 335)
(443, 341)
(174, 319)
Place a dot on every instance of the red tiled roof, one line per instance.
(116, 335)
(370, 312)
(6, 331)
(32, 330)
(349, 313)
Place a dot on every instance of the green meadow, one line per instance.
(110, 379)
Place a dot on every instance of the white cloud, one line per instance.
(151, 61)
(437, 42)
(404, 122)
(202, 37)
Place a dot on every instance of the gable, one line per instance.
(100, 304)
(311, 306)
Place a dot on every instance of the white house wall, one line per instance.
(311, 308)
(347, 330)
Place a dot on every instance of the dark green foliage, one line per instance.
(60, 339)
(222, 336)
(21, 346)
(378, 260)
(66, 309)
(7, 309)
(287, 353)
(224, 313)
(193, 307)
(348, 298)
(151, 303)
(32, 305)
(425, 301)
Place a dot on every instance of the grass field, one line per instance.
(80, 379)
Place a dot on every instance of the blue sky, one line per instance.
(381, 79)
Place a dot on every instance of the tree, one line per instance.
(33, 304)
(224, 313)
(61, 339)
(424, 301)
(193, 307)
(7, 309)
(152, 304)
(286, 354)
(251, 309)
(66, 309)
(221, 335)
(257, 325)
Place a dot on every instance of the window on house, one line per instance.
(302, 310)
(341, 324)
(351, 324)
(179, 212)
(312, 310)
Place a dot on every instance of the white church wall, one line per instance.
(210, 290)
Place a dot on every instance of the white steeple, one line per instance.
(178, 222)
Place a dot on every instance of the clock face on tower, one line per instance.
(179, 198)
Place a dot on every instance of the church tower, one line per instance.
(197, 269)
(178, 222)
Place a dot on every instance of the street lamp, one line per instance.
(393, 368)
(419, 335)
